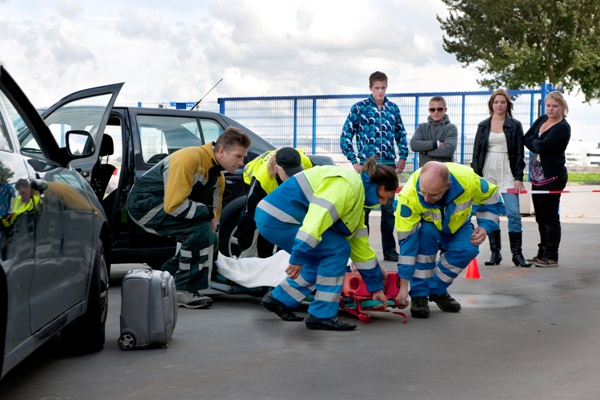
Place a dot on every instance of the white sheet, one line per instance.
(254, 272)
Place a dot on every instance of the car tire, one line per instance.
(87, 333)
(230, 217)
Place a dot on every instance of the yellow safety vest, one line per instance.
(467, 188)
(258, 168)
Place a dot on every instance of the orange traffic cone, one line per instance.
(473, 270)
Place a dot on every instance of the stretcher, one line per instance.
(356, 299)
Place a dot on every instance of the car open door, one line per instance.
(86, 110)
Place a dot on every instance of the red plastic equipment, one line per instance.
(356, 299)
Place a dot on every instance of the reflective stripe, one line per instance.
(182, 207)
(277, 213)
(488, 215)
(304, 186)
(308, 239)
(408, 260)
(151, 214)
(302, 282)
(366, 265)
(435, 215)
(185, 253)
(423, 273)
(192, 210)
(199, 178)
(463, 206)
(443, 277)
(309, 193)
(330, 280)
(403, 235)
(361, 232)
(327, 296)
(184, 266)
(292, 292)
(493, 200)
(426, 259)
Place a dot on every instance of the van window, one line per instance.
(210, 129)
(162, 135)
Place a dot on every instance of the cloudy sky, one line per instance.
(177, 50)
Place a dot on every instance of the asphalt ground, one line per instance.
(523, 333)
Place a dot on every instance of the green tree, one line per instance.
(519, 44)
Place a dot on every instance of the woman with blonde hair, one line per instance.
(498, 157)
(548, 138)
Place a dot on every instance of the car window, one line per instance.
(82, 114)
(210, 129)
(4, 142)
(26, 139)
(163, 135)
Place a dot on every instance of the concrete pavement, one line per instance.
(523, 333)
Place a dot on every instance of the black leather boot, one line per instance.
(495, 247)
(516, 241)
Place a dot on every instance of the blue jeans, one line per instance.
(513, 212)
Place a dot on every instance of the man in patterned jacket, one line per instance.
(375, 123)
(182, 197)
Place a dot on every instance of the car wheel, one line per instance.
(126, 341)
(230, 217)
(87, 333)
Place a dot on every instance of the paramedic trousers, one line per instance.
(323, 268)
(197, 249)
(435, 278)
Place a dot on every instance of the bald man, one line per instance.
(434, 211)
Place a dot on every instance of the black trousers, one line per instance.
(546, 207)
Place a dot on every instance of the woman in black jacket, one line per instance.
(548, 138)
(498, 157)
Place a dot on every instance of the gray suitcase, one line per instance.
(148, 309)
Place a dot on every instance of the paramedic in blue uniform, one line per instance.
(434, 211)
(318, 217)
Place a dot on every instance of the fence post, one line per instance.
(295, 123)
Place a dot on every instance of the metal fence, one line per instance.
(314, 123)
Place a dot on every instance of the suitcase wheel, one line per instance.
(127, 341)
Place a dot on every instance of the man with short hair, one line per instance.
(181, 196)
(435, 140)
(375, 124)
(434, 209)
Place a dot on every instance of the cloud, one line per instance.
(166, 52)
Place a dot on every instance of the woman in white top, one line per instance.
(498, 157)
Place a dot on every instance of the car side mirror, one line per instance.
(80, 144)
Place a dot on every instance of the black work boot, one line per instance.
(516, 241)
(445, 302)
(495, 247)
(328, 324)
(272, 304)
(419, 307)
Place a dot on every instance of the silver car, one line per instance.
(53, 231)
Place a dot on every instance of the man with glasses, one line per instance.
(435, 140)
(375, 123)
(182, 196)
(434, 211)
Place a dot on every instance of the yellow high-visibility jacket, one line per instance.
(258, 168)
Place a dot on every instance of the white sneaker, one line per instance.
(193, 300)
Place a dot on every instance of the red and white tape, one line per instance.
(512, 191)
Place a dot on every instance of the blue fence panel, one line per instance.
(314, 123)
